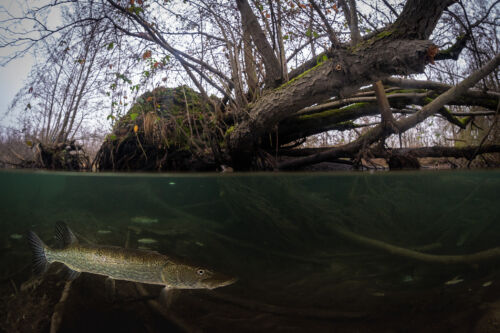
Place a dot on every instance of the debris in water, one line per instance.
(407, 278)
(135, 229)
(103, 232)
(454, 281)
(16, 236)
(200, 244)
(487, 284)
(378, 294)
(143, 220)
(147, 241)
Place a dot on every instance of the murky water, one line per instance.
(312, 252)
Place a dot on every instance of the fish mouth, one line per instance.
(220, 281)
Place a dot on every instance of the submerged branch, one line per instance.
(482, 256)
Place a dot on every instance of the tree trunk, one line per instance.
(341, 75)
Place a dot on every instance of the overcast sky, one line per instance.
(12, 77)
(13, 74)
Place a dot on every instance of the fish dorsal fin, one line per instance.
(64, 235)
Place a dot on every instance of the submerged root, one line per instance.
(161, 310)
(288, 311)
(57, 316)
(482, 256)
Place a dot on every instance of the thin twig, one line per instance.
(486, 136)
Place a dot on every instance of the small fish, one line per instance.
(122, 264)
(455, 280)
(143, 220)
(147, 241)
(16, 236)
(103, 232)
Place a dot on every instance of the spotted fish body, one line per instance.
(122, 264)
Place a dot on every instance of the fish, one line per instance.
(118, 263)
(147, 241)
(455, 280)
(143, 220)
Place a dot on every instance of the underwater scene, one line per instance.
(323, 252)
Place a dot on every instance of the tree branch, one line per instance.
(331, 34)
(271, 63)
(378, 132)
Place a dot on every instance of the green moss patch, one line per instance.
(332, 112)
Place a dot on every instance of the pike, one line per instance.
(120, 263)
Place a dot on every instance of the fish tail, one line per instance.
(39, 259)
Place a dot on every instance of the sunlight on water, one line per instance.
(309, 250)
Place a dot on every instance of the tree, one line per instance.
(276, 87)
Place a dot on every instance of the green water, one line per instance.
(279, 234)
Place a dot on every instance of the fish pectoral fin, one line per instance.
(167, 296)
(72, 274)
(110, 289)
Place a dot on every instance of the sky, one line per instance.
(14, 74)
(12, 77)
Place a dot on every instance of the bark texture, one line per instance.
(401, 49)
(340, 75)
(271, 63)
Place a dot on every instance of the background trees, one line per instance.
(282, 71)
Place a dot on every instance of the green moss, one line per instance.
(384, 34)
(332, 112)
(366, 43)
(170, 101)
(465, 120)
(321, 59)
(286, 84)
(229, 131)
(453, 48)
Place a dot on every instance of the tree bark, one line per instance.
(271, 63)
(402, 49)
(378, 132)
(341, 75)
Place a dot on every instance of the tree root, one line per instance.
(279, 310)
(168, 315)
(58, 314)
(474, 258)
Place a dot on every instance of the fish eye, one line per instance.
(200, 271)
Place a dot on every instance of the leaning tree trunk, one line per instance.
(400, 49)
